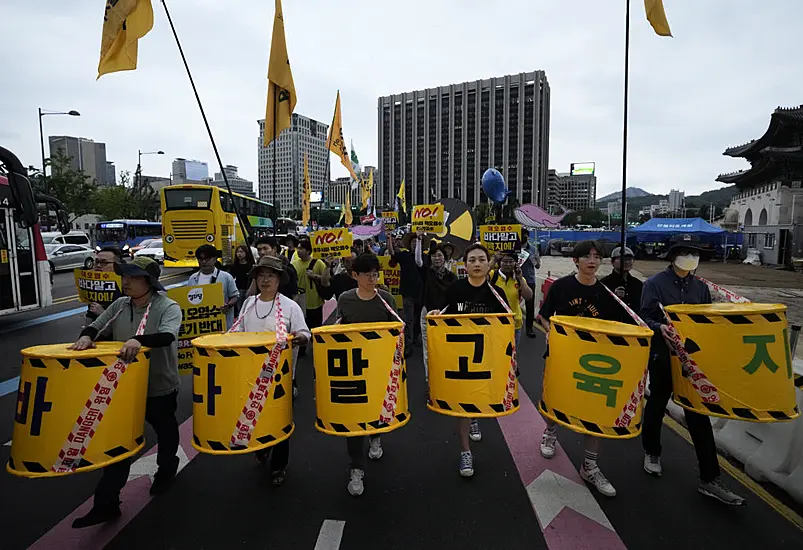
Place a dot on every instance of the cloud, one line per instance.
(712, 86)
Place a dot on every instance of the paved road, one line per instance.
(414, 497)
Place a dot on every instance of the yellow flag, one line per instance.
(336, 143)
(367, 186)
(657, 17)
(124, 23)
(305, 198)
(281, 90)
(402, 196)
(347, 207)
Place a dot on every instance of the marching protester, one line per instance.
(261, 313)
(475, 294)
(105, 261)
(364, 304)
(291, 242)
(437, 280)
(207, 256)
(141, 287)
(621, 282)
(270, 246)
(410, 260)
(239, 270)
(312, 274)
(580, 295)
(529, 269)
(509, 278)
(341, 277)
(677, 285)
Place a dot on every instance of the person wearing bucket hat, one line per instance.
(141, 286)
(208, 274)
(621, 282)
(677, 285)
(260, 313)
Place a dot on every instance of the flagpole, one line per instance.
(240, 219)
(624, 128)
(275, 148)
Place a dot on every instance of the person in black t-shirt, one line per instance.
(621, 282)
(437, 279)
(473, 295)
(580, 295)
(411, 286)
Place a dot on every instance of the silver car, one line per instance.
(62, 257)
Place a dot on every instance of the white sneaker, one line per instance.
(355, 485)
(594, 477)
(466, 464)
(375, 451)
(548, 442)
(652, 465)
(474, 430)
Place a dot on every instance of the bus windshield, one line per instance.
(112, 234)
(184, 199)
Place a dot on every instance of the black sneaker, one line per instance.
(530, 333)
(96, 516)
(162, 482)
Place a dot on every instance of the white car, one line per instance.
(153, 250)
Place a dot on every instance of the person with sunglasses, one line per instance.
(621, 282)
(105, 260)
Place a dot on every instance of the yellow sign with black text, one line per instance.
(391, 277)
(428, 218)
(97, 286)
(331, 242)
(500, 238)
(391, 220)
(201, 310)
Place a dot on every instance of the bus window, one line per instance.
(186, 199)
(148, 230)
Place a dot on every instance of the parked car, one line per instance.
(154, 251)
(73, 237)
(62, 257)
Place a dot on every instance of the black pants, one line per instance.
(160, 412)
(279, 455)
(411, 310)
(314, 317)
(356, 449)
(699, 425)
(530, 313)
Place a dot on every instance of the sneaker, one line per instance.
(594, 477)
(375, 451)
(652, 465)
(96, 516)
(162, 482)
(355, 485)
(474, 430)
(715, 489)
(466, 464)
(548, 442)
(277, 477)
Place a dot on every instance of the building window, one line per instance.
(769, 240)
(751, 240)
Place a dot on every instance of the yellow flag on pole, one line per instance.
(336, 143)
(402, 196)
(281, 89)
(305, 199)
(657, 17)
(124, 23)
(367, 186)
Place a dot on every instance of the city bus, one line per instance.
(193, 215)
(24, 269)
(126, 234)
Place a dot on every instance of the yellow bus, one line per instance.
(193, 215)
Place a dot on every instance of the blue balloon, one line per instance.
(494, 185)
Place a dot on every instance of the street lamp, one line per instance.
(139, 163)
(43, 112)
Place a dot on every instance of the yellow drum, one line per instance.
(225, 369)
(469, 364)
(55, 385)
(743, 350)
(593, 375)
(352, 371)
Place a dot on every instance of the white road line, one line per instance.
(7, 443)
(330, 535)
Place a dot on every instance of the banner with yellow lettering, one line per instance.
(97, 286)
(390, 220)
(201, 310)
(500, 238)
(392, 278)
(331, 242)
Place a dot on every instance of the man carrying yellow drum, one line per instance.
(677, 285)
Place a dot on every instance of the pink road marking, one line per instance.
(135, 497)
(568, 530)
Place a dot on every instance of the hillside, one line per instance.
(720, 197)
(631, 192)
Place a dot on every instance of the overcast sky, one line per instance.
(712, 86)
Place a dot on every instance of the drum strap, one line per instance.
(510, 387)
(73, 450)
(259, 392)
(388, 411)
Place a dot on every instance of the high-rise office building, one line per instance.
(237, 184)
(441, 140)
(190, 171)
(85, 154)
(338, 188)
(304, 137)
(111, 175)
(677, 201)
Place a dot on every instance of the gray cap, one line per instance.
(616, 252)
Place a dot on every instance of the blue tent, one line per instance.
(670, 226)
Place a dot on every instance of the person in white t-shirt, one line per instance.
(259, 314)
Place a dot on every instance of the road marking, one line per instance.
(134, 497)
(330, 535)
(567, 512)
(9, 386)
(7, 443)
(743, 478)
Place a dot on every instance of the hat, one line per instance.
(684, 241)
(207, 250)
(141, 267)
(407, 240)
(616, 252)
(291, 238)
(274, 263)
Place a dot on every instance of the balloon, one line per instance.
(532, 216)
(494, 185)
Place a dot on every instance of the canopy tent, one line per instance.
(670, 226)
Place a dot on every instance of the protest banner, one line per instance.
(201, 310)
(392, 278)
(97, 286)
(500, 238)
(428, 218)
(331, 242)
(391, 220)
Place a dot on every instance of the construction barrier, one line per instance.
(352, 370)
(469, 365)
(743, 350)
(56, 386)
(592, 374)
(223, 377)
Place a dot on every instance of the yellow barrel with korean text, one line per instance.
(469, 359)
(743, 351)
(55, 387)
(594, 376)
(226, 367)
(353, 364)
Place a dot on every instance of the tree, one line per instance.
(644, 218)
(72, 187)
(593, 217)
(481, 212)
(124, 202)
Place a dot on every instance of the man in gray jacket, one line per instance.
(141, 287)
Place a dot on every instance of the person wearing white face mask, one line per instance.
(677, 285)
